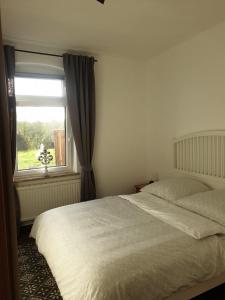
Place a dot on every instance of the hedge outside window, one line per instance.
(42, 121)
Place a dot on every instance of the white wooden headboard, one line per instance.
(202, 154)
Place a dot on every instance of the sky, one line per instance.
(42, 114)
(39, 87)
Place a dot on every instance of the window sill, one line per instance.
(40, 178)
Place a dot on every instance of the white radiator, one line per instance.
(37, 198)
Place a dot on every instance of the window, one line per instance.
(42, 123)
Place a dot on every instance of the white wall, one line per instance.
(138, 114)
(120, 143)
(185, 93)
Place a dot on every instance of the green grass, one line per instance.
(28, 159)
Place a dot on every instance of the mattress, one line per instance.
(128, 248)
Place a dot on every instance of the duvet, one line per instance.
(128, 248)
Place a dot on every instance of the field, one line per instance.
(28, 159)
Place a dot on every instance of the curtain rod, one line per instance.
(40, 53)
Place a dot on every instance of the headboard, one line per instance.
(202, 154)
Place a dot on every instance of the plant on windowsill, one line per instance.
(45, 158)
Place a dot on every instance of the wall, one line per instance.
(120, 143)
(138, 114)
(186, 93)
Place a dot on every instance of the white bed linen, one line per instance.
(209, 204)
(189, 222)
(112, 249)
(174, 188)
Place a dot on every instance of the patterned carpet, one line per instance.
(36, 280)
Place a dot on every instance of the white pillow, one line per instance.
(210, 204)
(175, 188)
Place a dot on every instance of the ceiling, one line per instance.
(137, 28)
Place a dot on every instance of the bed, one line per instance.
(143, 246)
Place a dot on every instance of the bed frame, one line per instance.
(186, 294)
(201, 155)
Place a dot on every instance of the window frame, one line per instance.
(46, 101)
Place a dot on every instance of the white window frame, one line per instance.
(47, 101)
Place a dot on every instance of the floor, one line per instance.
(37, 282)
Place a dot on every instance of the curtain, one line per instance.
(8, 242)
(80, 88)
(10, 75)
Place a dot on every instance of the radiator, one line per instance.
(37, 198)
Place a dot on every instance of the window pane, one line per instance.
(39, 127)
(39, 87)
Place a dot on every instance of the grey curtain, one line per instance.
(80, 87)
(8, 243)
(10, 75)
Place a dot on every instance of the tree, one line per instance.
(21, 143)
(32, 135)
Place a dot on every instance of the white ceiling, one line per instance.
(139, 28)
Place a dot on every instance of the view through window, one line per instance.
(41, 122)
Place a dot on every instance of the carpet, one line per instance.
(35, 278)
